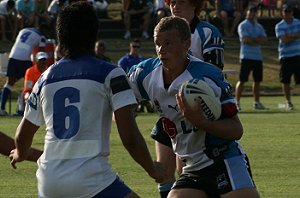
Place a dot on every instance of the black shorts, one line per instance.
(160, 135)
(247, 66)
(289, 66)
(17, 68)
(219, 178)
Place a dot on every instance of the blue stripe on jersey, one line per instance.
(215, 41)
(147, 67)
(85, 67)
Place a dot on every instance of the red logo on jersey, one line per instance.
(169, 127)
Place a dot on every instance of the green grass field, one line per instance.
(271, 139)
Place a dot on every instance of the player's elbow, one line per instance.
(238, 132)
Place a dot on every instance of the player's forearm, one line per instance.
(138, 150)
(24, 137)
(227, 128)
(34, 154)
(6, 144)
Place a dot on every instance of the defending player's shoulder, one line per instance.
(146, 66)
(198, 66)
(204, 25)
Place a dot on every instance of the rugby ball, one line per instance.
(210, 103)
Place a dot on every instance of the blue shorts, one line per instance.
(17, 68)
(117, 189)
(219, 178)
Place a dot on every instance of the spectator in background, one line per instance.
(8, 14)
(101, 8)
(53, 10)
(288, 33)
(133, 57)
(100, 50)
(161, 9)
(226, 9)
(270, 6)
(136, 9)
(252, 35)
(32, 74)
(295, 4)
(41, 13)
(25, 13)
(20, 58)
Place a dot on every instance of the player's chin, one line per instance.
(164, 61)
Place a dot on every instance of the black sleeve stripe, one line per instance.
(119, 84)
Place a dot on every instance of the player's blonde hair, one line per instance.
(174, 23)
(199, 5)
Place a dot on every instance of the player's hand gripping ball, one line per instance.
(210, 103)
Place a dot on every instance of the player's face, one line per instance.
(171, 50)
(182, 8)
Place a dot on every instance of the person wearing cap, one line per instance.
(252, 35)
(288, 32)
(32, 74)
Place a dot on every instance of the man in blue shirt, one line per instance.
(133, 57)
(288, 33)
(252, 35)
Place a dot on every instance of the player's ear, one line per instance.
(187, 44)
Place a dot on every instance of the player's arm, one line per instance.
(134, 142)
(8, 144)
(23, 141)
(229, 128)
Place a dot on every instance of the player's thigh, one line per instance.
(166, 156)
(245, 193)
(187, 192)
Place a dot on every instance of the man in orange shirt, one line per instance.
(31, 76)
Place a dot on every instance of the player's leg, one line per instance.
(187, 192)
(164, 155)
(238, 178)
(167, 158)
(245, 193)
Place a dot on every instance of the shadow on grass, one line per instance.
(270, 111)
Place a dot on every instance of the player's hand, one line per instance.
(14, 158)
(193, 115)
(159, 173)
